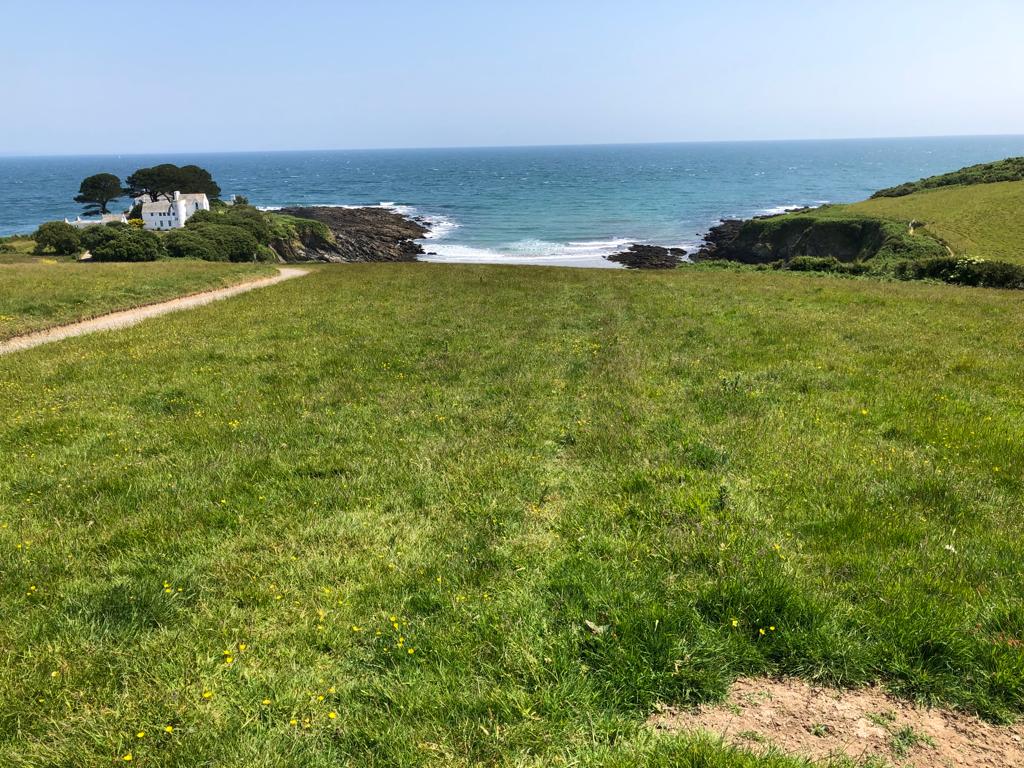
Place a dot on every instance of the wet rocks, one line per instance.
(649, 257)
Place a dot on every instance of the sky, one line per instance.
(190, 76)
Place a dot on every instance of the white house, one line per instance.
(107, 218)
(171, 212)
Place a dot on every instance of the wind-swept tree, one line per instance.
(167, 178)
(97, 191)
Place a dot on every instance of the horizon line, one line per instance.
(137, 153)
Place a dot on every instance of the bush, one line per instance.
(92, 238)
(130, 244)
(823, 264)
(962, 271)
(253, 221)
(228, 243)
(189, 244)
(57, 236)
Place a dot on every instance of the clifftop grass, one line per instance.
(983, 221)
(364, 518)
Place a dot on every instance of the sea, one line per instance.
(560, 206)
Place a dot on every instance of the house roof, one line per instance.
(165, 204)
(164, 199)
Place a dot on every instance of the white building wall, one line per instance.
(172, 214)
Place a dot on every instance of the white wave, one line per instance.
(781, 209)
(516, 253)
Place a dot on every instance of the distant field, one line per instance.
(408, 514)
(38, 293)
(983, 220)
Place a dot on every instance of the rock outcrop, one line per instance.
(816, 234)
(358, 235)
(649, 257)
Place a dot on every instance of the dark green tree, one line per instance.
(58, 236)
(166, 179)
(96, 191)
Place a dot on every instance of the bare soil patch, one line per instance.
(863, 725)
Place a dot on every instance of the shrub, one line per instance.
(228, 243)
(823, 264)
(130, 244)
(57, 236)
(92, 238)
(189, 244)
(963, 271)
(253, 221)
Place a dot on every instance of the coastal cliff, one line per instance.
(820, 233)
(329, 234)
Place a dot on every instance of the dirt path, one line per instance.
(866, 726)
(128, 317)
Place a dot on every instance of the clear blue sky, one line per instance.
(80, 77)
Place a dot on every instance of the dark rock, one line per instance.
(720, 240)
(649, 257)
(360, 234)
(764, 240)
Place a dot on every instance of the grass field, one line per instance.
(38, 293)
(981, 221)
(415, 514)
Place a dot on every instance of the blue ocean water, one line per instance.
(548, 205)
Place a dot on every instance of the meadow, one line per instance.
(416, 514)
(980, 221)
(37, 293)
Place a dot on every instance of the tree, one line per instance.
(166, 179)
(96, 191)
(59, 236)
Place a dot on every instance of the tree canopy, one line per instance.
(96, 191)
(166, 179)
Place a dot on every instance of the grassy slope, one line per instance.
(982, 221)
(244, 500)
(45, 292)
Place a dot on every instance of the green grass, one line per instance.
(489, 458)
(981, 221)
(39, 293)
(17, 250)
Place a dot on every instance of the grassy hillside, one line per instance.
(384, 516)
(952, 225)
(982, 221)
(1010, 169)
(40, 293)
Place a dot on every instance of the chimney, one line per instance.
(177, 196)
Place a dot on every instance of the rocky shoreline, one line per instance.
(356, 235)
(649, 257)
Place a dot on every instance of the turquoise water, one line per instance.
(548, 205)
